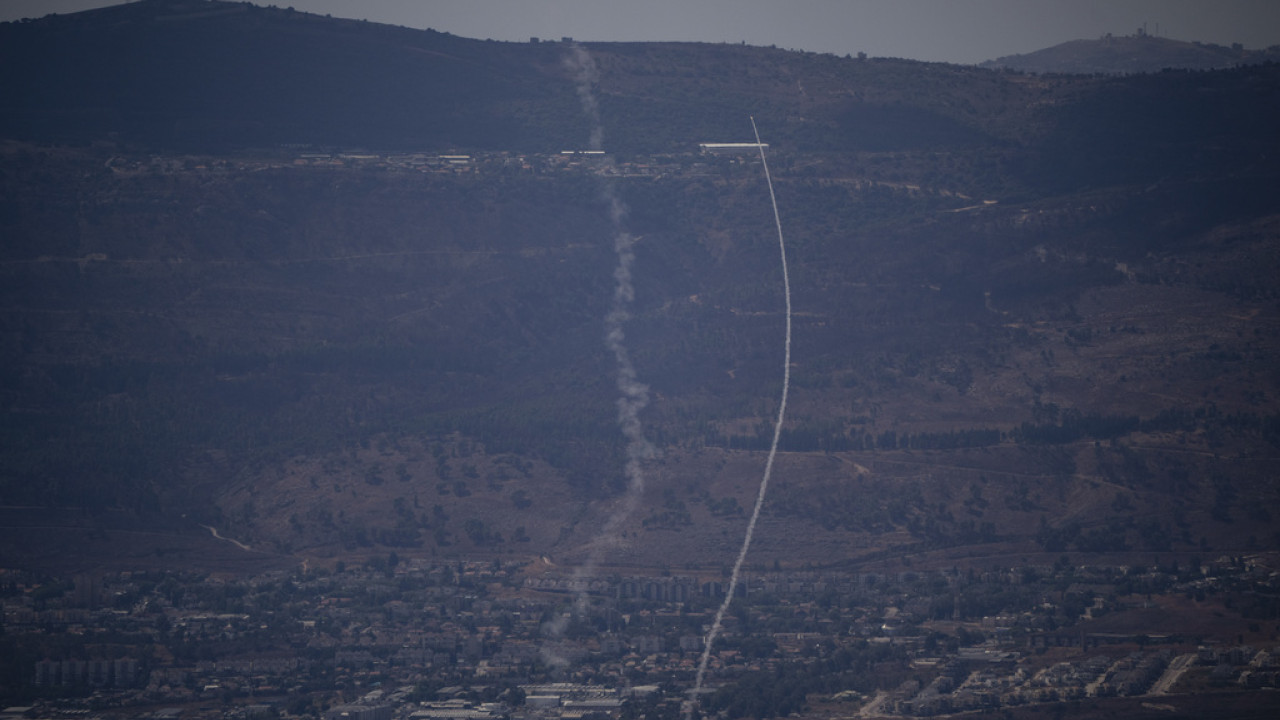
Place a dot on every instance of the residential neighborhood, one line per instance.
(412, 638)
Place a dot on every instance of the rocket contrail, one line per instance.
(633, 394)
(773, 448)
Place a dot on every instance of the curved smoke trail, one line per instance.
(773, 448)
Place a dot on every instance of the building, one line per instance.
(731, 148)
(358, 712)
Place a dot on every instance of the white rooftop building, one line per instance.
(731, 148)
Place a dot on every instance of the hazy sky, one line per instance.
(961, 31)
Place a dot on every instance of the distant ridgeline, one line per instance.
(216, 76)
(1137, 53)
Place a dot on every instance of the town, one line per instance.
(704, 159)
(457, 163)
(479, 639)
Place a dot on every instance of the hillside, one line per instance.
(203, 76)
(1138, 53)
(242, 287)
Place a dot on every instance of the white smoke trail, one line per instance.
(773, 448)
(633, 395)
(585, 77)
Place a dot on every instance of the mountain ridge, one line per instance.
(1033, 314)
(1138, 53)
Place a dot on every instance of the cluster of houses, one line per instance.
(475, 623)
(453, 163)
(541, 701)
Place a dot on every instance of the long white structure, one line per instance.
(732, 148)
